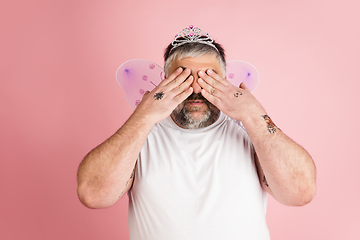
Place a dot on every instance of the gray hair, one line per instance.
(193, 50)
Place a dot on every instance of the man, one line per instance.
(190, 169)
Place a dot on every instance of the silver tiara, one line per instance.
(192, 34)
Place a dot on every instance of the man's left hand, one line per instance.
(236, 102)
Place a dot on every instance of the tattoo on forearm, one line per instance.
(159, 95)
(270, 125)
(265, 182)
(237, 94)
(127, 182)
(132, 175)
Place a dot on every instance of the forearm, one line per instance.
(289, 170)
(104, 173)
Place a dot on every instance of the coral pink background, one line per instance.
(59, 99)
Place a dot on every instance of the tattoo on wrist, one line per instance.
(237, 94)
(265, 182)
(159, 95)
(270, 125)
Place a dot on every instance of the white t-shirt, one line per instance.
(198, 184)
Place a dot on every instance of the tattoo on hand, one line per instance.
(265, 182)
(270, 125)
(237, 94)
(159, 95)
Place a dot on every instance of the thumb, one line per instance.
(146, 93)
(243, 86)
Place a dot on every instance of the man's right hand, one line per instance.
(163, 99)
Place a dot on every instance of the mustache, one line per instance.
(196, 96)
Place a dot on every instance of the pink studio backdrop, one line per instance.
(59, 99)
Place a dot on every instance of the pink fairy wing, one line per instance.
(239, 71)
(138, 76)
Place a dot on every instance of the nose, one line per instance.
(195, 85)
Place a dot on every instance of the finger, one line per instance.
(209, 89)
(180, 79)
(243, 86)
(166, 92)
(184, 95)
(171, 77)
(217, 77)
(211, 98)
(146, 93)
(183, 86)
(170, 85)
(211, 81)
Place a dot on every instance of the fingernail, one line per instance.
(201, 73)
(179, 70)
(209, 71)
(187, 70)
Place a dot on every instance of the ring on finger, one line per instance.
(212, 90)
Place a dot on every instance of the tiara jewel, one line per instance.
(192, 34)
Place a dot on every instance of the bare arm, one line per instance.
(105, 174)
(285, 169)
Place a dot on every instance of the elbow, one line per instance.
(86, 198)
(94, 199)
(305, 196)
(306, 191)
(309, 195)
(297, 198)
(89, 199)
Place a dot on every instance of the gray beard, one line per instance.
(182, 115)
